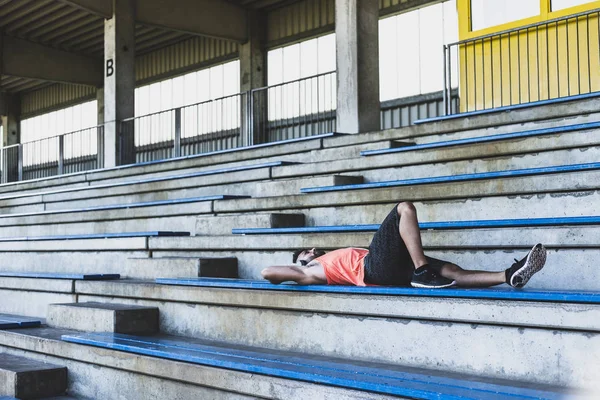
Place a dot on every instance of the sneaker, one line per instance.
(522, 270)
(427, 277)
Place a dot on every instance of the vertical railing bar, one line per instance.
(492, 70)
(510, 70)
(177, 138)
(528, 67)
(578, 57)
(475, 74)
(444, 100)
(20, 162)
(537, 59)
(547, 27)
(557, 62)
(519, 62)
(501, 72)
(483, 73)
(568, 59)
(61, 154)
(450, 79)
(589, 56)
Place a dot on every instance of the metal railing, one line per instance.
(67, 153)
(300, 108)
(551, 59)
(296, 109)
(198, 128)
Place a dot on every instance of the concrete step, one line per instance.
(500, 188)
(163, 166)
(575, 246)
(502, 163)
(222, 225)
(101, 317)
(28, 379)
(576, 112)
(535, 196)
(167, 190)
(69, 261)
(94, 373)
(484, 249)
(511, 338)
(151, 268)
(31, 297)
(369, 377)
(519, 146)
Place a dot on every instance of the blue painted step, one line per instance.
(490, 223)
(96, 236)
(8, 321)
(459, 178)
(485, 139)
(43, 275)
(130, 205)
(390, 380)
(562, 296)
(509, 108)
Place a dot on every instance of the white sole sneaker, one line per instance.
(422, 286)
(534, 262)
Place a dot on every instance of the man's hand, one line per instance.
(312, 274)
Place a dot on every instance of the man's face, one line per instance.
(306, 256)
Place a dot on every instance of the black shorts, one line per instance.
(388, 261)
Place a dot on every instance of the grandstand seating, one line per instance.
(482, 203)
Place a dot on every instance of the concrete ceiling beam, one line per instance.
(31, 60)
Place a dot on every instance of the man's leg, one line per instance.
(410, 233)
(517, 275)
(472, 279)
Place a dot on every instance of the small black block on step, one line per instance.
(226, 267)
(29, 379)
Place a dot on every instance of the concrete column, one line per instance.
(100, 103)
(357, 41)
(253, 74)
(10, 110)
(119, 84)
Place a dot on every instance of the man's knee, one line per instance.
(406, 206)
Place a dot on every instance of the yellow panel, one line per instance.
(529, 65)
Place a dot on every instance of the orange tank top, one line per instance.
(345, 266)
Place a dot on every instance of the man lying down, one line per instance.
(395, 258)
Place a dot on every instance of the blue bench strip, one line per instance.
(8, 321)
(459, 178)
(509, 108)
(314, 369)
(43, 275)
(485, 139)
(491, 223)
(96, 236)
(562, 296)
(127, 206)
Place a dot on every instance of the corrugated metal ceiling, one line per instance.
(63, 26)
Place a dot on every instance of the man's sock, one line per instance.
(422, 267)
(507, 274)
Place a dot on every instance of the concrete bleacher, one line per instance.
(481, 203)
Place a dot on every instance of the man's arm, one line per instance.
(312, 274)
